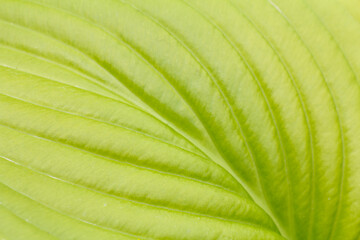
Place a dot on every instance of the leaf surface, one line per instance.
(177, 119)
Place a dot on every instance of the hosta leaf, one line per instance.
(179, 119)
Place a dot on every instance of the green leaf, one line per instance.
(179, 119)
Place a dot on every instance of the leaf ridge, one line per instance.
(111, 124)
(133, 49)
(263, 92)
(335, 108)
(26, 221)
(170, 209)
(73, 217)
(125, 162)
(211, 77)
(76, 72)
(343, 165)
(64, 43)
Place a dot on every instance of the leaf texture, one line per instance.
(178, 119)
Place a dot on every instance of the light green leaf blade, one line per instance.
(177, 119)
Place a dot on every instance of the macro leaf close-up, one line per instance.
(180, 119)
